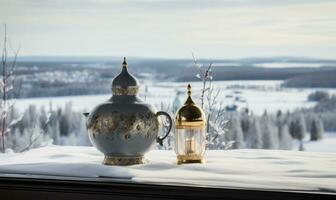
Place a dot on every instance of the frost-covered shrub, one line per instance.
(8, 91)
(215, 113)
(29, 130)
(38, 127)
(216, 133)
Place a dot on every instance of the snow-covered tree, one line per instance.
(318, 96)
(285, 139)
(329, 119)
(235, 133)
(245, 123)
(254, 135)
(269, 133)
(53, 130)
(298, 129)
(316, 130)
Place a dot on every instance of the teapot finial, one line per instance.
(124, 64)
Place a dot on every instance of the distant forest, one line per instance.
(40, 77)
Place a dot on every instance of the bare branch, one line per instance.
(6, 85)
(13, 66)
(41, 133)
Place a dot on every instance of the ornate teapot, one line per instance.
(124, 128)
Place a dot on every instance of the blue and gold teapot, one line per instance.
(124, 127)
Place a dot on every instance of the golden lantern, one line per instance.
(190, 132)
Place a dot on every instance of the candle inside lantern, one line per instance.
(190, 145)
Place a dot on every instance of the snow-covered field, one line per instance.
(327, 144)
(258, 96)
(261, 169)
(292, 64)
(284, 64)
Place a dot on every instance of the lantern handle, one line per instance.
(159, 139)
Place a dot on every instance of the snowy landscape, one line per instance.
(47, 137)
(260, 98)
(263, 74)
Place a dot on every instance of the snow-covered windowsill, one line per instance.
(252, 169)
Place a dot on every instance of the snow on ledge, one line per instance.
(255, 169)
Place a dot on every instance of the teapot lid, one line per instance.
(125, 83)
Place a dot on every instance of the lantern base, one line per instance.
(190, 159)
(112, 160)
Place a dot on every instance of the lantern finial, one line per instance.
(189, 99)
(124, 64)
(189, 90)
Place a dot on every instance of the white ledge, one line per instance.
(253, 169)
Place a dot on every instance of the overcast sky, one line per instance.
(172, 28)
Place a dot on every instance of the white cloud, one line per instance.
(172, 28)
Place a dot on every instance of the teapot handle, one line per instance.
(159, 139)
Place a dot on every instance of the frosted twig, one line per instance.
(42, 132)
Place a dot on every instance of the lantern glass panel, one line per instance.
(190, 141)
